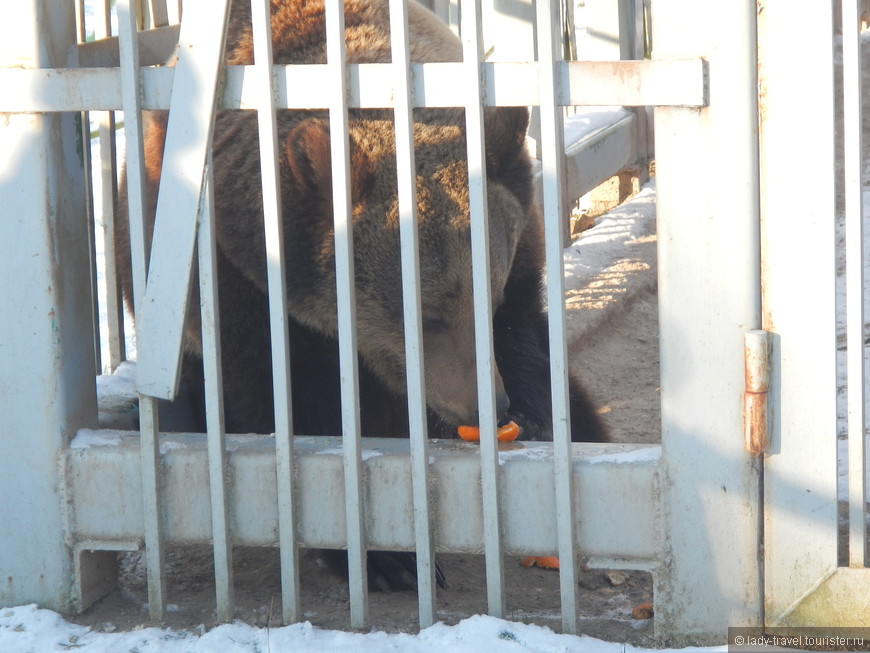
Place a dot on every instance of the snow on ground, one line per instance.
(27, 629)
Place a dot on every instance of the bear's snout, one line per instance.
(502, 405)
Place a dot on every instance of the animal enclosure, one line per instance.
(749, 379)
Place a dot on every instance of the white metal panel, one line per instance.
(160, 314)
(46, 356)
(707, 198)
(798, 268)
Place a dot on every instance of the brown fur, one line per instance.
(445, 254)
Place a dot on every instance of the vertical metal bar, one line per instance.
(154, 550)
(161, 316)
(340, 149)
(472, 42)
(406, 168)
(709, 261)
(159, 15)
(109, 194)
(800, 474)
(107, 158)
(268, 131)
(627, 13)
(135, 178)
(214, 401)
(89, 201)
(853, 148)
(554, 224)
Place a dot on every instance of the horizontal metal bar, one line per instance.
(627, 83)
(614, 493)
(156, 46)
(666, 82)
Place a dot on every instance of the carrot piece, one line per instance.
(544, 562)
(643, 611)
(507, 433)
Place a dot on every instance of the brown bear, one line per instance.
(516, 241)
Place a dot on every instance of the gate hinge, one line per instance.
(756, 358)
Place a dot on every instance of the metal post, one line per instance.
(46, 351)
(709, 295)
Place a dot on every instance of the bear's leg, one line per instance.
(523, 357)
(387, 571)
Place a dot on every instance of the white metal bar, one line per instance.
(554, 177)
(107, 159)
(800, 473)
(160, 317)
(214, 401)
(151, 499)
(406, 168)
(472, 85)
(88, 170)
(626, 83)
(156, 47)
(159, 14)
(708, 260)
(855, 366)
(135, 180)
(272, 212)
(344, 267)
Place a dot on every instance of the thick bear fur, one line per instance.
(516, 241)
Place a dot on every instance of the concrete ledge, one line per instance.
(614, 494)
(610, 265)
(599, 142)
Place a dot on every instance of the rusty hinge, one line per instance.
(756, 358)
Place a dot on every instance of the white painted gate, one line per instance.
(801, 303)
(694, 511)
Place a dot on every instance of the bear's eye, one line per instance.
(433, 324)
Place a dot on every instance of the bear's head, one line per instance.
(445, 252)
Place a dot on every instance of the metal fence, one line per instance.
(727, 544)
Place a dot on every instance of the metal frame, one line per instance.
(716, 264)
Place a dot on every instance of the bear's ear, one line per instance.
(308, 153)
(505, 133)
(307, 149)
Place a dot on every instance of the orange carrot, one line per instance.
(545, 562)
(507, 433)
